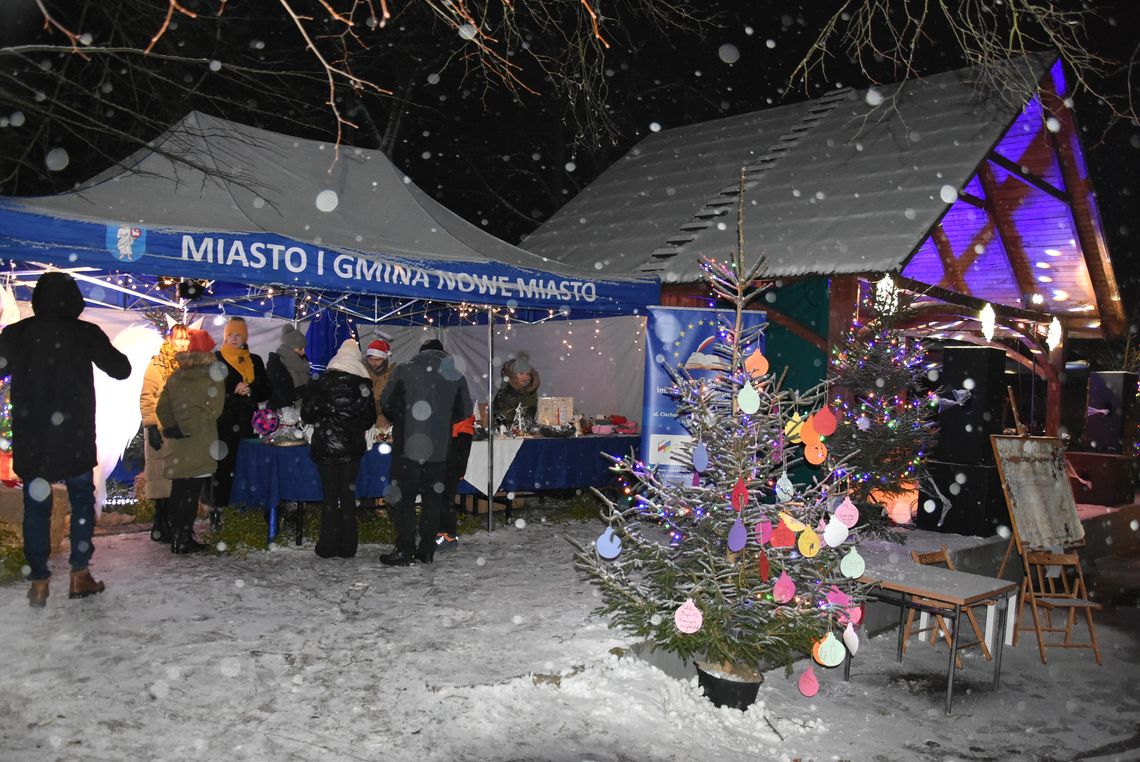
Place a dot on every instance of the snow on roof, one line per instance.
(851, 182)
(207, 173)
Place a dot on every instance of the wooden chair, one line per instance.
(940, 626)
(1054, 581)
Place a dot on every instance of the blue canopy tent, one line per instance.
(276, 225)
(271, 225)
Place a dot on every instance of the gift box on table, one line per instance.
(555, 411)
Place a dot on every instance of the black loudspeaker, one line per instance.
(964, 430)
(1074, 404)
(1111, 423)
(1102, 479)
(977, 503)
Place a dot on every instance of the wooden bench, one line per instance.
(900, 582)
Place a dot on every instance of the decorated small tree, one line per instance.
(884, 404)
(735, 566)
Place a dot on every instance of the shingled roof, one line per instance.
(932, 179)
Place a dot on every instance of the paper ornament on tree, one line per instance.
(700, 457)
(784, 589)
(739, 495)
(808, 543)
(608, 544)
(815, 452)
(737, 536)
(763, 532)
(765, 571)
(850, 639)
(824, 421)
(784, 488)
(792, 428)
(847, 513)
(808, 434)
(747, 399)
(756, 364)
(782, 537)
(852, 566)
(793, 523)
(831, 651)
(836, 533)
(808, 684)
(688, 617)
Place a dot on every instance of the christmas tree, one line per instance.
(736, 566)
(886, 411)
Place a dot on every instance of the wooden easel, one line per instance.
(1043, 517)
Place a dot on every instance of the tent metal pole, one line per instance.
(490, 419)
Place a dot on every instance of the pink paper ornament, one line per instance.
(784, 589)
(809, 685)
(688, 617)
(763, 532)
(847, 513)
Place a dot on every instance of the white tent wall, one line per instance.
(599, 362)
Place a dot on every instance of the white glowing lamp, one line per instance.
(988, 318)
(1053, 337)
(886, 295)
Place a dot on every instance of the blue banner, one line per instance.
(681, 337)
(269, 259)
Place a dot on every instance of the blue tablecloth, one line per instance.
(266, 475)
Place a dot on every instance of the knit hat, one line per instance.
(378, 348)
(347, 359)
(522, 365)
(291, 338)
(200, 341)
(435, 344)
(237, 325)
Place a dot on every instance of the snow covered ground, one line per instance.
(492, 653)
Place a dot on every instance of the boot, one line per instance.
(160, 529)
(426, 552)
(184, 543)
(398, 557)
(38, 593)
(83, 584)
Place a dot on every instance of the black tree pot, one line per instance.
(728, 690)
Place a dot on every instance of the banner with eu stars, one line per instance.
(680, 337)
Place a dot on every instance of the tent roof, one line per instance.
(214, 182)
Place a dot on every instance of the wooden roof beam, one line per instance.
(1010, 237)
(951, 269)
(1030, 179)
(1086, 224)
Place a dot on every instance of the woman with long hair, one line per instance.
(157, 486)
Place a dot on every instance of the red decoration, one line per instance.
(739, 495)
(824, 421)
(783, 537)
(765, 572)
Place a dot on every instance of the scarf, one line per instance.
(239, 360)
(297, 366)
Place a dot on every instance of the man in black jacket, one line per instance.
(49, 357)
(424, 399)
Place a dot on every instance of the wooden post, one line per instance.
(842, 308)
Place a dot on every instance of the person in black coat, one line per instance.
(339, 407)
(424, 399)
(288, 369)
(49, 357)
(246, 384)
